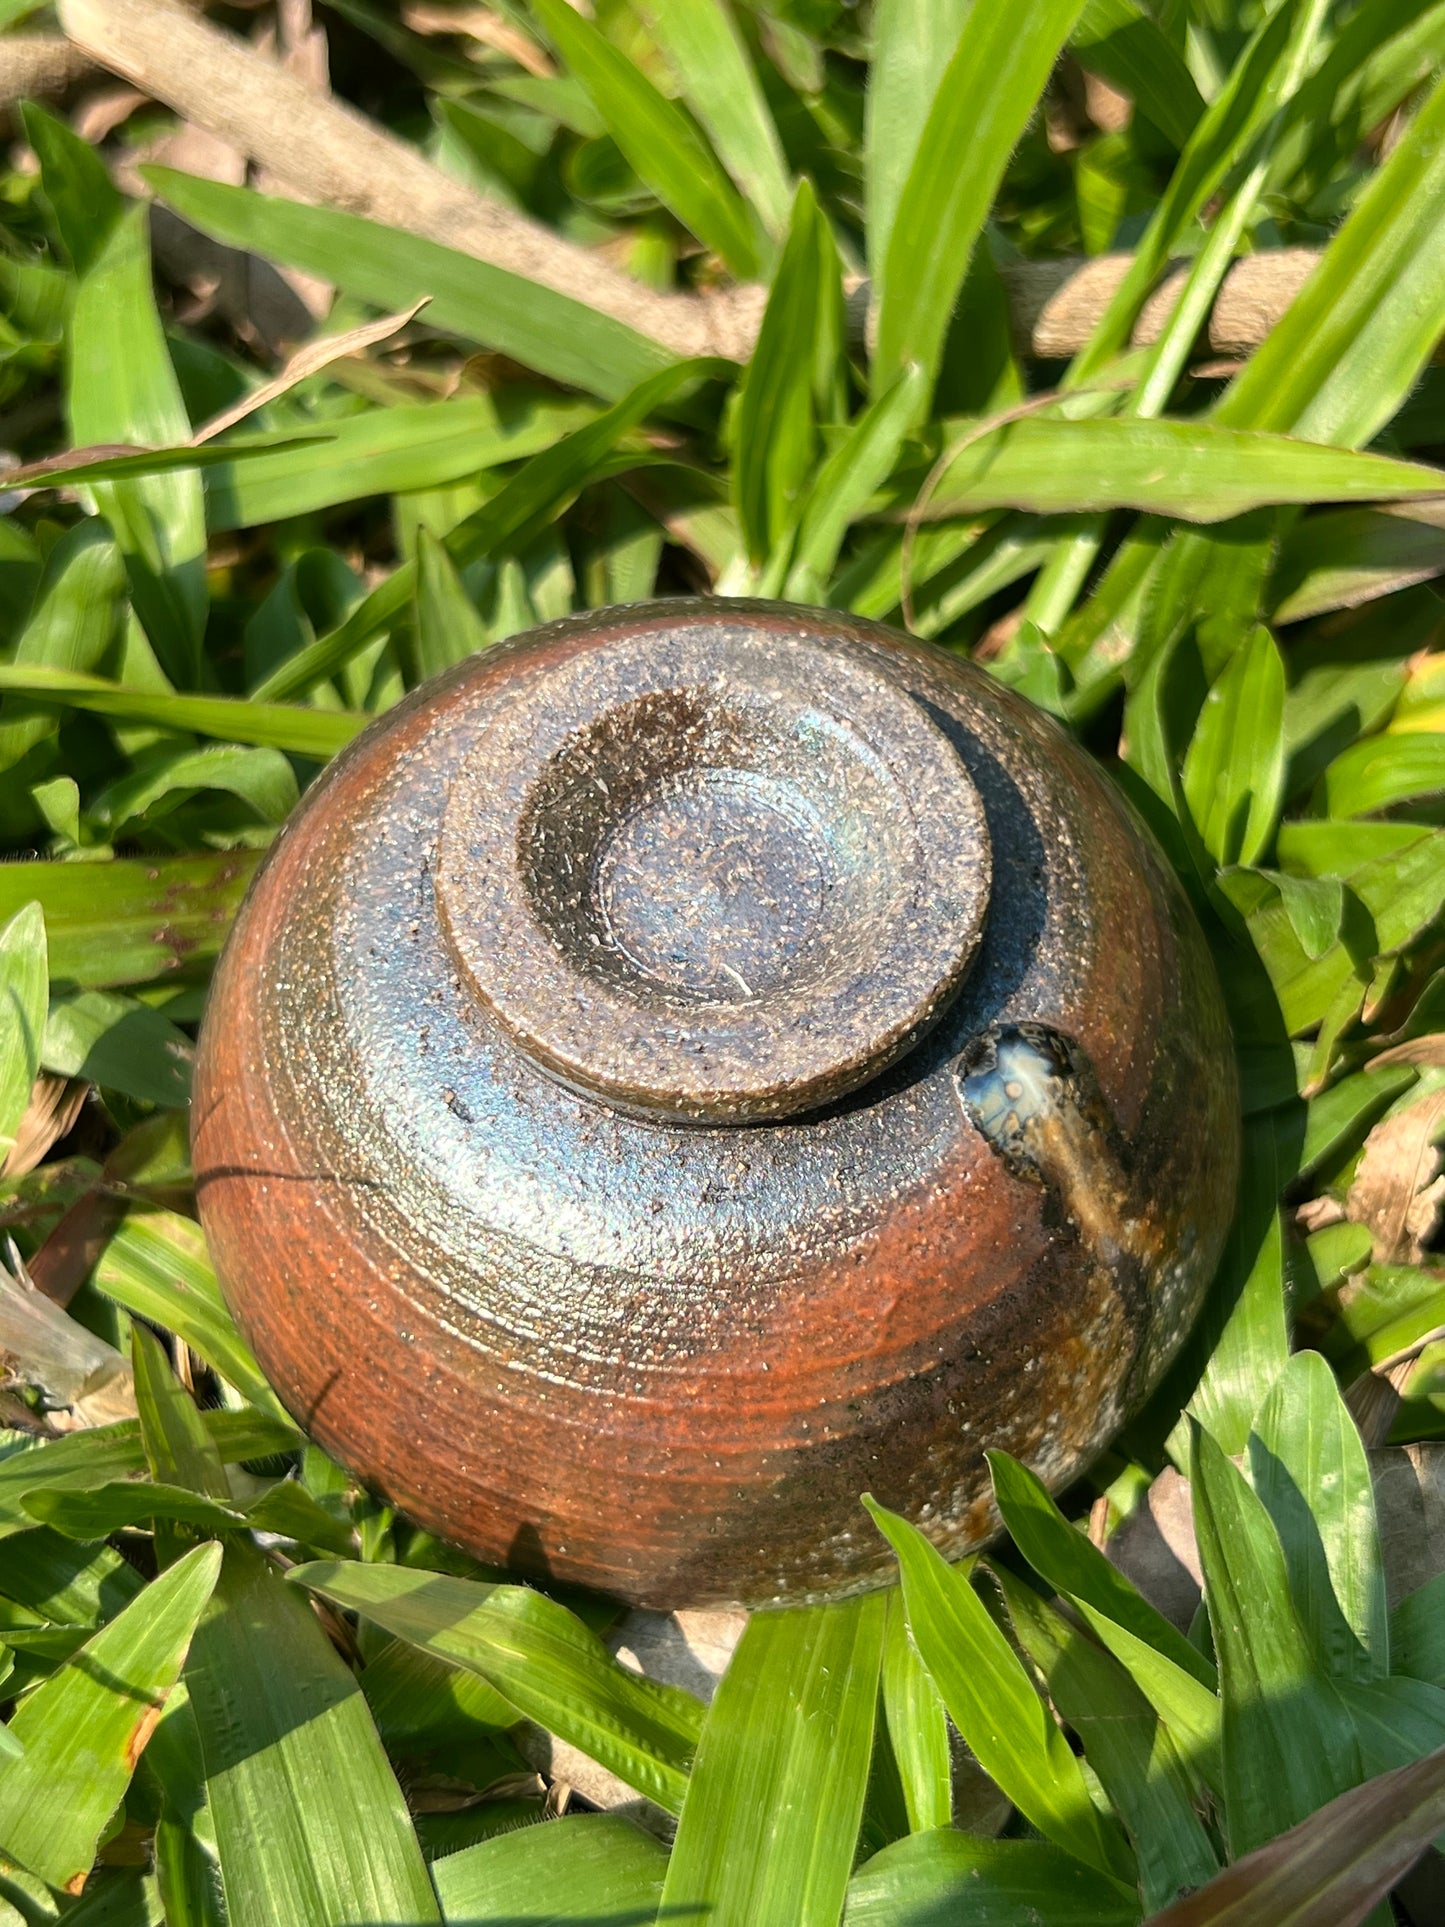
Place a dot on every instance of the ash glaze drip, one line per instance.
(662, 1355)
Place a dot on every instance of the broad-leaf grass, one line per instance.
(1217, 570)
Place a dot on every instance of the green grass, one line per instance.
(1222, 578)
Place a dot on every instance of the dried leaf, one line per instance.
(484, 25)
(49, 1116)
(1410, 1501)
(42, 1348)
(1155, 1547)
(1429, 1050)
(1398, 1192)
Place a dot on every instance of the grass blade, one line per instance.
(386, 451)
(537, 491)
(945, 1877)
(658, 138)
(1417, 1633)
(534, 325)
(123, 1045)
(129, 1503)
(179, 1450)
(917, 1726)
(1072, 1565)
(81, 1461)
(1397, 1720)
(156, 1266)
(1188, 469)
(448, 625)
(983, 103)
(711, 66)
(541, 1658)
(72, 624)
(1384, 770)
(913, 43)
(74, 1586)
(544, 1873)
(1169, 1670)
(1310, 1470)
(262, 779)
(1341, 559)
(311, 1826)
(1234, 768)
(1130, 1749)
(24, 996)
(122, 388)
(1288, 1742)
(1190, 1711)
(861, 463)
(133, 920)
(184, 1847)
(1119, 41)
(1352, 344)
(1221, 136)
(127, 462)
(85, 1727)
(302, 732)
(84, 203)
(284, 1508)
(76, 1462)
(1241, 1343)
(775, 432)
(993, 1702)
(770, 1824)
(120, 1044)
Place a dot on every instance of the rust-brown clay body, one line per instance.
(695, 1064)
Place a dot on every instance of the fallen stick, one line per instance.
(34, 65)
(327, 152)
(1056, 305)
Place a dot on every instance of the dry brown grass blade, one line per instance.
(307, 361)
(68, 1256)
(49, 1116)
(1331, 1869)
(484, 25)
(1416, 1050)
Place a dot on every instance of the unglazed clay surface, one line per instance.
(586, 1288)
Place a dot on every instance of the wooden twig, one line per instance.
(1055, 305)
(35, 65)
(327, 152)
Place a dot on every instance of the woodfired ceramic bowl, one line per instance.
(696, 1063)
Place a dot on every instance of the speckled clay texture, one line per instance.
(664, 1358)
